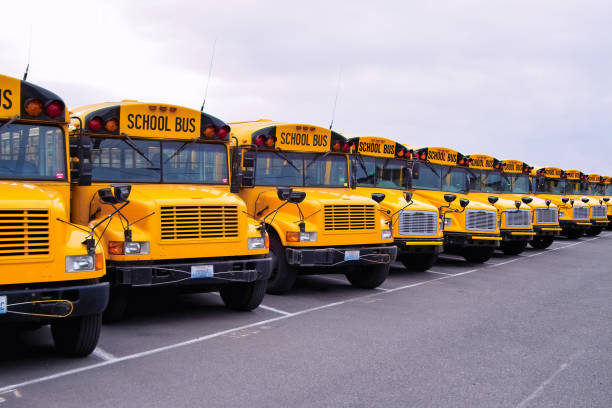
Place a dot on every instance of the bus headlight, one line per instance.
(386, 234)
(129, 248)
(447, 222)
(257, 243)
(561, 213)
(293, 236)
(80, 263)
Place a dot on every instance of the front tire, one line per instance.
(367, 277)
(541, 242)
(419, 262)
(593, 231)
(77, 336)
(117, 304)
(283, 275)
(513, 247)
(243, 297)
(478, 255)
(573, 233)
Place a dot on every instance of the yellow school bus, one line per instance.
(606, 196)
(577, 187)
(514, 215)
(296, 181)
(550, 183)
(441, 177)
(381, 167)
(50, 270)
(516, 185)
(184, 227)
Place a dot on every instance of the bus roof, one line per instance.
(441, 155)
(379, 147)
(297, 137)
(29, 102)
(516, 166)
(484, 162)
(549, 172)
(149, 120)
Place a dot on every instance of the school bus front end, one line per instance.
(440, 177)
(592, 188)
(545, 214)
(551, 185)
(182, 226)
(487, 182)
(296, 181)
(381, 168)
(606, 197)
(50, 270)
(577, 188)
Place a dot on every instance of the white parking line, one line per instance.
(116, 360)
(439, 273)
(346, 282)
(103, 355)
(272, 309)
(504, 263)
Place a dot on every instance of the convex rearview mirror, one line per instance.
(378, 197)
(117, 193)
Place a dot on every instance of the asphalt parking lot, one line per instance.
(528, 331)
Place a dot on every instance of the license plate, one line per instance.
(351, 256)
(202, 271)
(2, 304)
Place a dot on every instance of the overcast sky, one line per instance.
(526, 79)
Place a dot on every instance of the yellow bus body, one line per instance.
(416, 226)
(38, 283)
(597, 207)
(342, 218)
(461, 236)
(196, 235)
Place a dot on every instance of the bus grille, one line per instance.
(546, 216)
(480, 220)
(418, 223)
(24, 232)
(349, 217)
(599, 211)
(581, 213)
(518, 218)
(197, 222)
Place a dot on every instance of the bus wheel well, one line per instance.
(272, 231)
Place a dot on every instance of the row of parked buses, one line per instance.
(115, 196)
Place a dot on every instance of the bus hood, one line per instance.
(178, 194)
(23, 195)
(437, 198)
(536, 203)
(502, 203)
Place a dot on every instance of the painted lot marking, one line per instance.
(265, 322)
(439, 273)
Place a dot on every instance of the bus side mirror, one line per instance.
(81, 169)
(463, 202)
(353, 178)
(416, 170)
(584, 200)
(117, 193)
(378, 197)
(517, 204)
(492, 199)
(606, 199)
(527, 200)
(236, 174)
(449, 198)
(408, 196)
(548, 203)
(283, 193)
(565, 200)
(296, 197)
(248, 175)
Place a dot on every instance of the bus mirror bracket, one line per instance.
(81, 148)
(236, 175)
(248, 175)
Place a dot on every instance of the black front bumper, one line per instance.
(180, 273)
(575, 225)
(516, 235)
(322, 257)
(475, 240)
(43, 304)
(547, 231)
(599, 223)
(419, 246)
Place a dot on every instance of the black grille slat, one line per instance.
(199, 222)
(349, 217)
(24, 233)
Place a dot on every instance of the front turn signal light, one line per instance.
(115, 247)
(99, 261)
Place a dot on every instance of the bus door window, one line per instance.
(520, 184)
(108, 166)
(391, 173)
(430, 177)
(455, 180)
(328, 171)
(365, 168)
(491, 181)
(272, 169)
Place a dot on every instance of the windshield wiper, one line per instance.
(284, 157)
(9, 122)
(128, 141)
(317, 158)
(180, 149)
(431, 168)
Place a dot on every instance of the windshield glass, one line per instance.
(157, 161)
(551, 186)
(608, 189)
(380, 172)
(455, 180)
(32, 152)
(429, 177)
(595, 189)
(300, 169)
(572, 187)
(520, 183)
(492, 181)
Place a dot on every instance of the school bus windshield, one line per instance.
(380, 172)
(159, 161)
(551, 186)
(596, 189)
(576, 187)
(607, 189)
(490, 182)
(520, 183)
(442, 178)
(275, 168)
(32, 152)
